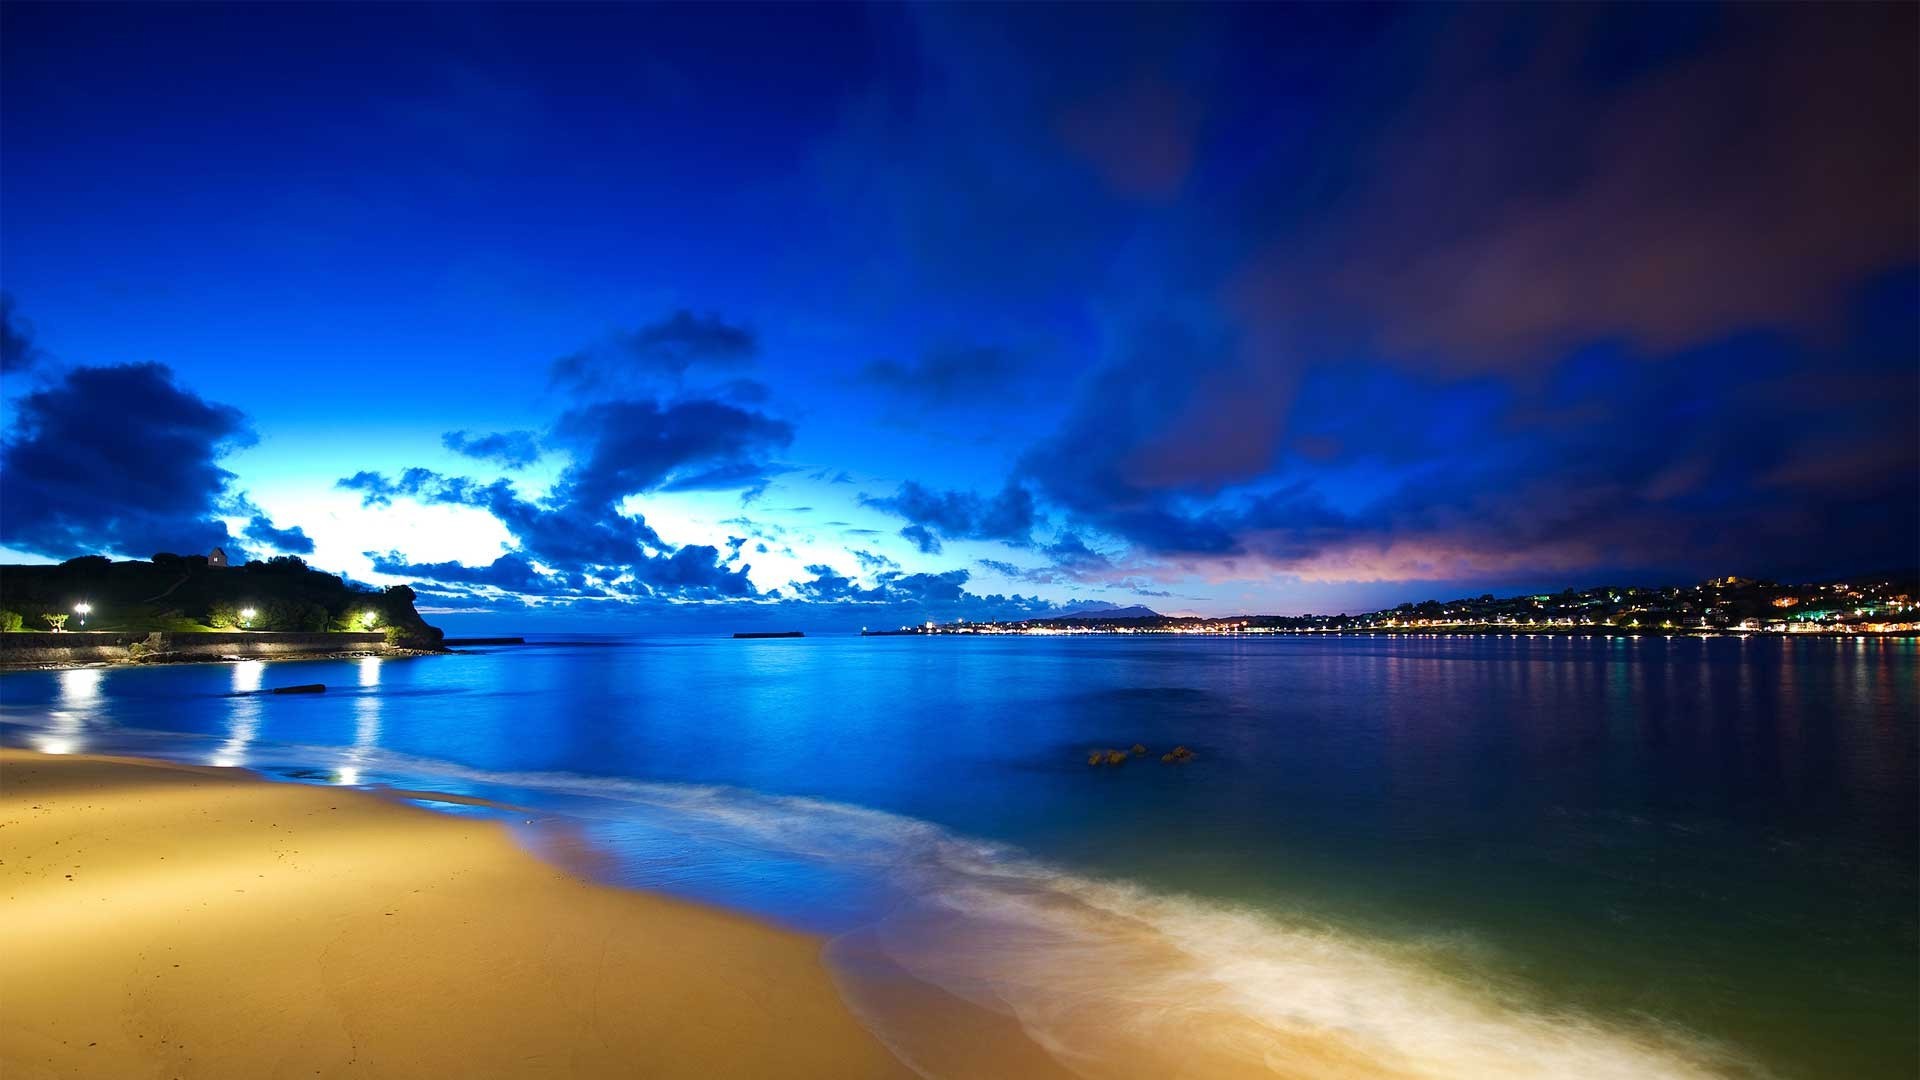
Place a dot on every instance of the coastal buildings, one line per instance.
(1888, 605)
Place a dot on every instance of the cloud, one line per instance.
(959, 515)
(292, 540)
(579, 529)
(117, 459)
(1139, 135)
(895, 598)
(508, 449)
(18, 353)
(1760, 454)
(692, 572)
(873, 563)
(1522, 324)
(950, 376)
(696, 570)
(1510, 205)
(1516, 208)
(922, 539)
(510, 573)
(669, 347)
(625, 447)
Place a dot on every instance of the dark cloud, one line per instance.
(895, 598)
(959, 515)
(684, 338)
(558, 530)
(1071, 553)
(983, 374)
(873, 563)
(1519, 207)
(670, 347)
(696, 570)
(292, 540)
(17, 350)
(508, 449)
(693, 572)
(1760, 454)
(626, 447)
(377, 490)
(1526, 194)
(922, 539)
(579, 529)
(1139, 135)
(510, 573)
(117, 459)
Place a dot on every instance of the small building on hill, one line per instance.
(217, 557)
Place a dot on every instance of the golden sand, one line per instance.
(169, 921)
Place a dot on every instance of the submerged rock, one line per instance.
(1139, 750)
(1176, 755)
(304, 688)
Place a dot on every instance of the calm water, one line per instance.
(1620, 855)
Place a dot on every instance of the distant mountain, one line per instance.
(1104, 610)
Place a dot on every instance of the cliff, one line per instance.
(183, 594)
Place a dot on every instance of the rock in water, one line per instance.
(1139, 750)
(304, 688)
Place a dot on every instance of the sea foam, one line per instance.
(1113, 979)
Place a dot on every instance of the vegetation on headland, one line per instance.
(184, 594)
(1876, 604)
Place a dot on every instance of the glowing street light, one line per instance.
(246, 618)
(367, 619)
(83, 609)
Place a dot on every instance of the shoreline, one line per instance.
(177, 920)
(169, 660)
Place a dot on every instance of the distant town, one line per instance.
(1729, 605)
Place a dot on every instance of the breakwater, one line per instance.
(86, 646)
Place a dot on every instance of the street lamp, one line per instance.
(82, 609)
(246, 618)
(367, 618)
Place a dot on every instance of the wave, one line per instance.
(1113, 979)
(1109, 978)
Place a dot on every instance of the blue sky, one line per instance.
(849, 313)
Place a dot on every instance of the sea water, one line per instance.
(1440, 856)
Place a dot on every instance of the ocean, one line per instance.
(1430, 856)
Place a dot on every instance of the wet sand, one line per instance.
(169, 921)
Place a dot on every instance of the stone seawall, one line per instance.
(84, 646)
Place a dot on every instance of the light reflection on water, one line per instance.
(243, 714)
(1716, 833)
(67, 719)
(366, 724)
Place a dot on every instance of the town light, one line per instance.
(246, 618)
(367, 619)
(82, 609)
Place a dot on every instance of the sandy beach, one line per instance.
(171, 921)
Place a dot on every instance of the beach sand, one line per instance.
(168, 921)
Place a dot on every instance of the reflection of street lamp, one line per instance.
(246, 618)
(82, 609)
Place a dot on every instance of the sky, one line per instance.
(815, 317)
